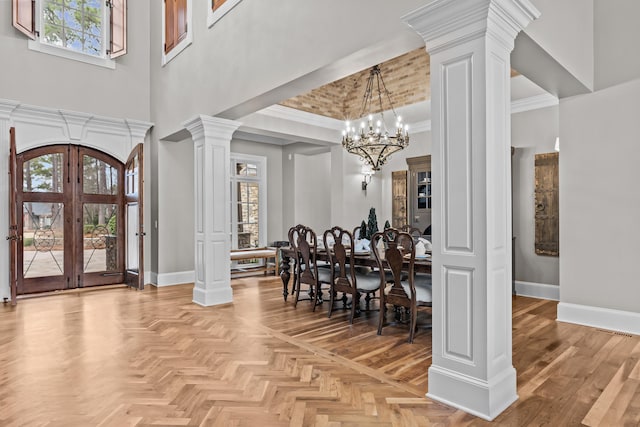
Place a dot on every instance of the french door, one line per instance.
(71, 224)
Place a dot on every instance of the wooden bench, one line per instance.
(265, 254)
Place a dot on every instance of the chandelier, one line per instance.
(372, 141)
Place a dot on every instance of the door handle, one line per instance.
(141, 234)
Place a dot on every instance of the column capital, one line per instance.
(444, 24)
(7, 107)
(138, 129)
(203, 126)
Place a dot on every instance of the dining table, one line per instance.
(422, 263)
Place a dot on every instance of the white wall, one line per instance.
(313, 191)
(565, 31)
(532, 132)
(616, 41)
(175, 207)
(349, 203)
(40, 79)
(273, 153)
(599, 203)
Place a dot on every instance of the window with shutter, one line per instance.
(118, 28)
(92, 31)
(177, 22)
(24, 17)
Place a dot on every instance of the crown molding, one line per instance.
(299, 116)
(533, 103)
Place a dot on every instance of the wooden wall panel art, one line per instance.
(546, 205)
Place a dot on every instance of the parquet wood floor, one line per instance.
(118, 357)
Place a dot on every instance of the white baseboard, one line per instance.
(538, 290)
(598, 317)
(150, 278)
(176, 278)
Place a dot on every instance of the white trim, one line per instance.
(598, 317)
(287, 113)
(40, 126)
(299, 116)
(167, 57)
(62, 52)
(538, 290)
(484, 399)
(101, 61)
(175, 278)
(152, 278)
(261, 179)
(533, 103)
(213, 17)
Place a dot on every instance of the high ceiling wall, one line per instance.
(407, 78)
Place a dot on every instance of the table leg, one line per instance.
(285, 275)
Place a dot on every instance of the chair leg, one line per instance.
(383, 312)
(412, 325)
(318, 296)
(331, 300)
(355, 301)
(296, 285)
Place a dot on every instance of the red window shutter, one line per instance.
(24, 15)
(181, 20)
(169, 25)
(218, 3)
(118, 28)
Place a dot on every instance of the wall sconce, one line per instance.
(366, 176)
(557, 146)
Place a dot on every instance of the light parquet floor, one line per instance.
(118, 357)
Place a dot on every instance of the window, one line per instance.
(177, 22)
(92, 31)
(248, 201)
(219, 8)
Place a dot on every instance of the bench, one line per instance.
(265, 254)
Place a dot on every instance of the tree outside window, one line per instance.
(74, 24)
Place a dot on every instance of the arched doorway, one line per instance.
(70, 203)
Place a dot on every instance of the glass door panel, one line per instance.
(100, 238)
(99, 177)
(248, 212)
(43, 174)
(43, 239)
(132, 237)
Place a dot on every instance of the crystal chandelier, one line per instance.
(372, 141)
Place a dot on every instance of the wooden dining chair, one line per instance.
(304, 242)
(340, 247)
(413, 231)
(405, 290)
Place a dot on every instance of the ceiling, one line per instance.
(313, 121)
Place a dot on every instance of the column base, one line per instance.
(483, 399)
(209, 297)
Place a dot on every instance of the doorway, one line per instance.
(70, 219)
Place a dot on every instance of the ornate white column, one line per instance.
(212, 194)
(470, 42)
(6, 108)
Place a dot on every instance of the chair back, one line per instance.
(334, 243)
(398, 248)
(304, 241)
(413, 231)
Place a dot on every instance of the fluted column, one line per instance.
(212, 194)
(470, 42)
